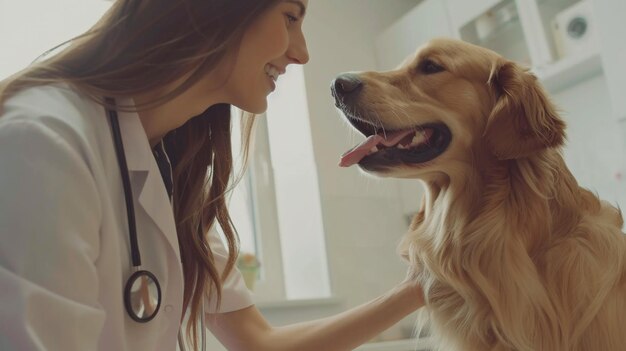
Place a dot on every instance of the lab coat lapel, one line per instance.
(146, 178)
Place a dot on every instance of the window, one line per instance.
(297, 192)
(31, 27)
(284, 206)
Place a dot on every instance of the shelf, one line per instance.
(569, 71)
(499, 29)
(422, 344)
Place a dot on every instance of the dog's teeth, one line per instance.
(400, 146)
(374, 149)
(418, 138)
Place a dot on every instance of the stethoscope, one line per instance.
(142, 292)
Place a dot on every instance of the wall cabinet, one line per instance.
(557, 39)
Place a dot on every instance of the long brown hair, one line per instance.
(142, 45)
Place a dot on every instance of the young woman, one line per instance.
(115, 159)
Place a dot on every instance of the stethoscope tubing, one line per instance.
(132, 227)
(130, 207)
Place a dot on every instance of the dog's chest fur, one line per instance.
(505, 276)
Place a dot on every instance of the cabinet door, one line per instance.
(424, 22)
(611, 29)
(464, 11)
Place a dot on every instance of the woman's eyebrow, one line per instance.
(300, 4)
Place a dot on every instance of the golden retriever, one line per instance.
(511, 252)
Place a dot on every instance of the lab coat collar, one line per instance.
(146, 177)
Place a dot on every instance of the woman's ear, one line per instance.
(523, 120)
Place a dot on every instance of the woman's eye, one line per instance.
(291, 18)
(430, 67)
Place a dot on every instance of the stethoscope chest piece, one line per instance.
(142, 296)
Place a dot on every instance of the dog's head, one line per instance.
(441, 105)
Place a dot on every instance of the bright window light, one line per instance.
(28, 28)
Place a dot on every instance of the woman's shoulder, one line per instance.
(59, 108)
(58, 101)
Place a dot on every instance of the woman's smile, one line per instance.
(272, 72)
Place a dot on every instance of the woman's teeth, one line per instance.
(272, 72)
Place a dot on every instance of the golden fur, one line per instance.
(512, 254)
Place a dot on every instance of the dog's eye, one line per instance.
(430, 67)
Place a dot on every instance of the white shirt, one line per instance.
(64, 247)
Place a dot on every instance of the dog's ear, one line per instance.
(523, 120)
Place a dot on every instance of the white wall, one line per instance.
(596, 145)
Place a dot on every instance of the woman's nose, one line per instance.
(298, 51)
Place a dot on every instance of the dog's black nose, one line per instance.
(346, 85)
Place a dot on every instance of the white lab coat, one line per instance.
(64, 250)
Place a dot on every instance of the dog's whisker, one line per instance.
(394, 111)
(379, 120)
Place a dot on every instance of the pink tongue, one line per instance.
(360, 151)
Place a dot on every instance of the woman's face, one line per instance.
(273, 41)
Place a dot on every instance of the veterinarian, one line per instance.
(106, 218)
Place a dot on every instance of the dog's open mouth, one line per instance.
(419, 144)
